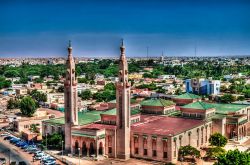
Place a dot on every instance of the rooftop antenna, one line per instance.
(195, 51)
(69, 43)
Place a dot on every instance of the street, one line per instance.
(15, 155)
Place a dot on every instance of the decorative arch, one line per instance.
(84, 149)
(91, 149)
(76, 147)
(100, 151)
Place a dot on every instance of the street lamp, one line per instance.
(62, 148)
(79, 154)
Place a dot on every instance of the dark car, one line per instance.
(2, 161)
(7, 138)
(22, 163)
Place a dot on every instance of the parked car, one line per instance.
(20, 144)
(14, 140)
(2, 161)
(32, 151)
(22, 163)
(25, 146)
(49, 161)
(40, 156)
(7, 137)
(46, 158)
(5, 134)
(30, 148)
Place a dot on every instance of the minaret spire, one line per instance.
(123, 108)
(69, 49)
(70, 98)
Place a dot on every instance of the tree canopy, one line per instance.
(234, 157)
(188, 151)
(28, 106)
(218, 140)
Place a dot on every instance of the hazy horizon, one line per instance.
(216, 28)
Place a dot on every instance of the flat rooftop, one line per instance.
(162, 125)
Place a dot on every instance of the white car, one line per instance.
(49, 161)
(5, 134)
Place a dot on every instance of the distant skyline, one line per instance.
(31, 28)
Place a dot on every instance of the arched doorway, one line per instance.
(91, 149)
(76, 147)
(100, 152)
(84, 149)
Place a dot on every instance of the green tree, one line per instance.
(34, 128)
(218, 140)
(60, 89)
(178, 91)
(13, 103)
(215, 152)
(38, 96)
(109, 86)
(234, 157)
(28, 106)
(4, 83)
(188, 151)
(11, 73)
(85, 95)
(54, 141)
(83, 80)
(227, 98)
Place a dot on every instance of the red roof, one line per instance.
(161, 125)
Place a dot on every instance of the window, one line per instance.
(110, 150)
(154, 147)
(165, 149)
(154, 153)
(165, 154)
(145, 152)
(136, 151)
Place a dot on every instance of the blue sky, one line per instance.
(31, 28)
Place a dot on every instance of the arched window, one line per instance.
(100, 148)
(109, 144)
(91, 149)
(76, 147)
(154, 153)
(136, 145)
(165, 149)
(145, 146)
(84, 149)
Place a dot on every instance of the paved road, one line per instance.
(14, 154)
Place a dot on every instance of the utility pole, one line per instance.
(147, 52)
(9, 156)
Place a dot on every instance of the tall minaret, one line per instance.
(123, 109)
(70, 99)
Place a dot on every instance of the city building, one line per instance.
(203, 86)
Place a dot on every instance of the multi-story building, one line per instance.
(203, 86)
